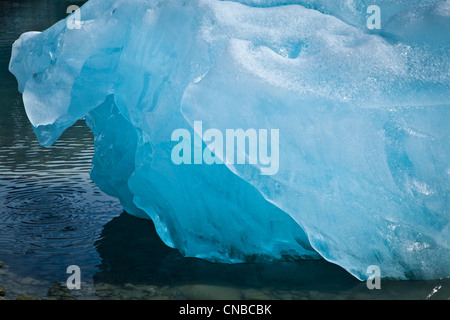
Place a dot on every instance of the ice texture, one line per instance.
(363, 118)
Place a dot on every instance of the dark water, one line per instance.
(50, 212)
(53, 216)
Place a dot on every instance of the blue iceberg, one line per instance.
(300, 133)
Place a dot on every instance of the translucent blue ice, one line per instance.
(363, 118)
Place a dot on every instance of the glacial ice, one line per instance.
(363, 119)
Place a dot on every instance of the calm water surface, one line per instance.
(53, 216)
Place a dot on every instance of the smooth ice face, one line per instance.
(353, 121)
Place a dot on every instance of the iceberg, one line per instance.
(358, 120)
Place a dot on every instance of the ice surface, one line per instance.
(363, 172)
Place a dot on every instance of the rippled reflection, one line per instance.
(51, 213)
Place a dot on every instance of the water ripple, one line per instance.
(47, 217)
